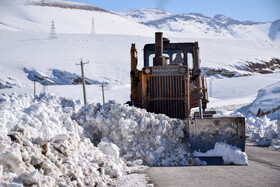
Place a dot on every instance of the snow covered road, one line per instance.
(263, 170)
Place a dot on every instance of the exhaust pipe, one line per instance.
(198, 79)
(159, 59)
(133, 74)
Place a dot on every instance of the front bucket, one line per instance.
(212, 160)
(202, 134)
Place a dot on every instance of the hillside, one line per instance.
(28, 55)
(35, 17)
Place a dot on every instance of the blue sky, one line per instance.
(252, 10)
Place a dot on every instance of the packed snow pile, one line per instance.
(41, 145)
(263, 117)
(230, 154)
(263, 131)
(155, 139)
(48, 141)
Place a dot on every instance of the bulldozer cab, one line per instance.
(175, 53)
(170, 81)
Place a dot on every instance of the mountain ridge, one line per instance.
(196, 23)
(65, 4)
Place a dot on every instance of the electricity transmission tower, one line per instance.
(52, 33)
(92, 26)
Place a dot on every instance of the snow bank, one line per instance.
(263, 131)
(155, 139)
(267, 102)
(230, 154)
(48, 141)
(41, 145)
(263, 117)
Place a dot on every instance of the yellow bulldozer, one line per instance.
(171, 83)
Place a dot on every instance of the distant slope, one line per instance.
(195, 24)
(33, 17)
(274, 31)
(144, 15)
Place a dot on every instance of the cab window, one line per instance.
(177, 58)
(190, 60)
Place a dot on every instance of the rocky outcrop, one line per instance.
(265, 67)
(58, 77)
(260, 67)
(264, 113)
(221, 72)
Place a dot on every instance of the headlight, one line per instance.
(147, 71)
(183, 70)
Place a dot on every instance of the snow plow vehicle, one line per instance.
(171, 83)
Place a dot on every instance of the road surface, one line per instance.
(263, 170)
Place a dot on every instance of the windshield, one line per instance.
(173, 57)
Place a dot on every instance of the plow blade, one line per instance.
(202, 134)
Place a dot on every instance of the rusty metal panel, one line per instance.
(166, 95)
(202, 134)
(144, 91)
(165, 90)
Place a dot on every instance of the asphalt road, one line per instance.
(263, 170)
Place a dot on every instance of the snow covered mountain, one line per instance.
(144, 15)
(195, 24)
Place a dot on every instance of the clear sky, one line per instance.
(252, 10)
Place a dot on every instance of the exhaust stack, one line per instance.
(197, 72)
(133, 74)
(159, 59)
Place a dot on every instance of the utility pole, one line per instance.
(92, 26)
(83, 80)
(103, 95)
(34, 87)
(211, 80)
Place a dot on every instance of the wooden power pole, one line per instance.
(103, 95)
(83, 80)
(92, 26)
(34, 87)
